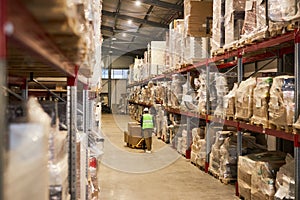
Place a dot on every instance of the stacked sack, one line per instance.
(282, 103)
(261, 95)
(201, 96)
(244, 99)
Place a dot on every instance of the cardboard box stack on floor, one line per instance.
(285, 180)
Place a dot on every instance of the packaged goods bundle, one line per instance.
(179, 138)
(26, 174)
(195, 15)
(177, 89)
(195, 49)
(215, 156)
(198, 135)
(157, 58)
(229, 102)
(281, 12)
(160, 120)
(158, 93)
(282, 103)
(257, 173)
(218, 37)
(264, 174)
(285, 180)
(201, 93)
(233, 20)
(261, 96)
(222, 90)
(244, 99)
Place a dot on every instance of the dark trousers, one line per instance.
(147, 134)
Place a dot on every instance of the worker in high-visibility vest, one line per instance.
(147, 123)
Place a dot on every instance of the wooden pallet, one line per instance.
(213, 173)
(281, 127)
(229, 117)
(260, 123)
(243, 198)
(227, 181)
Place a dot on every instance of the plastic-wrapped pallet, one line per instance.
(282, 103)
(157, 58)
(195, 49)
(285, 180)
(217, 25)
(233, 20)
(261, 95)
(160, 120)
(197, 134)
(201, 93)
(244, 99)
(27, 174)
(264, 174)
(229, 102)
(222, 90)
(215, 156)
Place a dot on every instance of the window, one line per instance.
(115, 73)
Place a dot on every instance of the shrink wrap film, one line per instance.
(282, 103)
(261, 96)
(244, 99)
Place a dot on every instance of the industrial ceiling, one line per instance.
(129, 25)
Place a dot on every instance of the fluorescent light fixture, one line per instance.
(113, 39)
(124, 34)
(129, 21)
(137, 3)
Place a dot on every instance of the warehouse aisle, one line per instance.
(131, 174)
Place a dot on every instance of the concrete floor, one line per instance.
(131, 174)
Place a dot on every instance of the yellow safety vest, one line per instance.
(147, 121)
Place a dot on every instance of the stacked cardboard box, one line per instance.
(233, 20)
(282, 103)
(157, 57)
(257, 173)
(195, 15)
(261, 95)
(229, 102)
(222, 90)
(198, 153)
(244, 99)
(285, 180)
(218, 37)
(134, 134)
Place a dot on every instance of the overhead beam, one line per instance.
(163, 5)
(120, 51)
(134, 19)
(137, 34)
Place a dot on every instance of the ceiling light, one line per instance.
(113, 39)
(124, 34)
(137, 3)
(129, 21)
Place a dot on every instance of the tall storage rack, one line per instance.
(17, 26)
(270, 48)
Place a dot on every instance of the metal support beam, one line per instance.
(72, 128)
(240, 79)
(109, 81)
(164, 5)
(208, 147)
(3, 123)
(137, 34)
(25, 89)
(297, 112)
(134, 19)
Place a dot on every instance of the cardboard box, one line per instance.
(195, 16)
(135, 131)
(126, 135)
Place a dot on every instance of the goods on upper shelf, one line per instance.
(195, 16)
(229, 102)
(257, 173)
